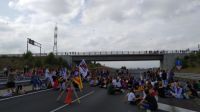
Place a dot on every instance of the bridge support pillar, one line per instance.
(67, 58)
(169, 61)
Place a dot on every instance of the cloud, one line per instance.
(95, 25)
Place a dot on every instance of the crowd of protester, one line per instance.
(145, 89)
(39, 78)
(142, 90)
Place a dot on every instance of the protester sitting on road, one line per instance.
(124, 84)
(149, 103)
(161, 90)
(168, 90)
(153, 92)
(92, 82)
(130, 83)
(187, 93)
(177, 91)
(136, 89)
(118, 86)
(132, 99)
(192, 90)
(111, 89)
(195, 85)
(103, 83)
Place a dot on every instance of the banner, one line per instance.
(83, 68)
(77, 79)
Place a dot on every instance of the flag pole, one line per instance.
(80, 79)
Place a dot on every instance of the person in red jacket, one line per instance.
(68, 98)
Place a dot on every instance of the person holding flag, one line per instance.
(76, 78)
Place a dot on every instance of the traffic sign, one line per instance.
(178, 64)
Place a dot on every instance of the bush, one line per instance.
(28, 55)
(50, 59)
(38, 63)
(28, 59)
(54, 61)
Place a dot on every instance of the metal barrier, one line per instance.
(24, 82)
(21, 55)
(127, 52)
(109, 53)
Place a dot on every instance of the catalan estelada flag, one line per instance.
(83, 68)
(77, 79)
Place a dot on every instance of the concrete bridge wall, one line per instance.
(167, 61)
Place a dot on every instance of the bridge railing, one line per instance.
(21, 55)
(127, 52)
(108, 53)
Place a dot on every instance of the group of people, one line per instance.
(12, 88)
(142, 90)
(50, 78)
(42, 78)
(145, 89)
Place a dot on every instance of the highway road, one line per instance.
(92, 100)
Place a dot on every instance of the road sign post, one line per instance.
(34, 43)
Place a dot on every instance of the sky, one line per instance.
(99, 25)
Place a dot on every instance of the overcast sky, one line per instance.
(99, 25)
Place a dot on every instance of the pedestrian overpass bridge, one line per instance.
(167, 58)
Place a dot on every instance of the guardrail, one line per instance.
(127, 52)
(24, 82)
(21, 55)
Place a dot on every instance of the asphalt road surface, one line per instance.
(92, 100)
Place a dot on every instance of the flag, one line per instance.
(77, 79)
(83, 68)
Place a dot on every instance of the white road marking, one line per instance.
(72, 101)
(24, 95)
(170, 108)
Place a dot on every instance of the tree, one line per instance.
(38, 63)
(185, 63)
(193, 57)
(28, 58)
(28, 55)
(50, 59)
